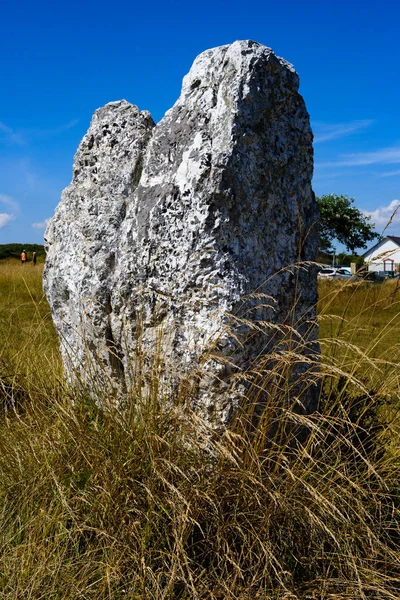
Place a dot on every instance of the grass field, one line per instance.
(28, 343)
(359, 326)
(366, 314)
(105, 504)
(360, 331)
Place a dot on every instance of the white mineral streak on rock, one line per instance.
(178, 222)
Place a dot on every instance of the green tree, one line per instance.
(342, 258)
(340, 220)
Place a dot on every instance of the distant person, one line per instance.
(24, 257)
(34, 258)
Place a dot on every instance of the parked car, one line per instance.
(343, 272)
(333, 273)
(326, 272)
(371, 276)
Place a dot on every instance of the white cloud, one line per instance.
(324, 132)
(384, 156)
(40, 224)
(386, 215)
(5, 218)
(390, 173)
(10, 202)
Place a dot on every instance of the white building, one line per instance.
(384, 257)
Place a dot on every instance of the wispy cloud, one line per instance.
(11, 136)
(390, 173)
(67, 126)
(23, 136)
(324, 132)
(385, 214)
(5, 218)
(384, 156)
(51, 132)
(9, 202)
(41, 224)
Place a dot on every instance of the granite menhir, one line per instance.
(166, 228)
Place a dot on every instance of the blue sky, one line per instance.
(62, 60)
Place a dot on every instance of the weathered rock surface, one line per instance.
(171, 225)
(83, 236)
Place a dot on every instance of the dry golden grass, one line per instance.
(147, 503)
(29, 354)
(364, 314)
(359, 335)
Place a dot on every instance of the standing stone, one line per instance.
(83, 236)
(211, 205)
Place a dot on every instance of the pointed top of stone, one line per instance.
(241, 59)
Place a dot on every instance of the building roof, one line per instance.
(394, 238)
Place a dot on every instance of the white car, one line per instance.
(333, 273)
(343, 273)
(326, 272)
